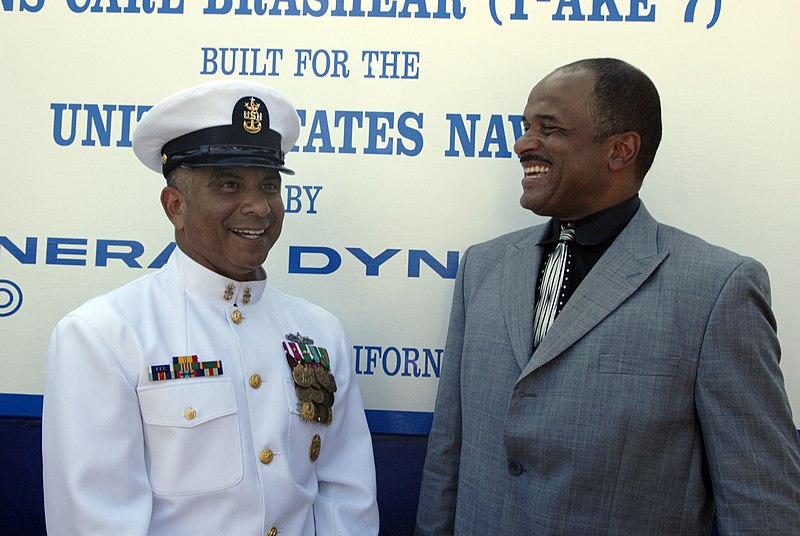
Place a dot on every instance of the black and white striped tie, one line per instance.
(553, 285)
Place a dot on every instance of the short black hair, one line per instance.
(624, 100)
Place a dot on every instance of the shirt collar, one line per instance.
(598, 227)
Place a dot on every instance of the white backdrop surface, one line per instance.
(382, 162)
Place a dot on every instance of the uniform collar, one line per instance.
(200, 280)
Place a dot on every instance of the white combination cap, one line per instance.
(219, 123)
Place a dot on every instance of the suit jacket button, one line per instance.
(514, 468)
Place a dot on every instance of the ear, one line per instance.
(174, 204)
(624, 150)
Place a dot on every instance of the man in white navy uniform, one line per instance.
(197, 400)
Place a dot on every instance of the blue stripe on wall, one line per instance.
(20, 405)
(399, 422)
(380, 422)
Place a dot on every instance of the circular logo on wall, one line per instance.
(10, 297)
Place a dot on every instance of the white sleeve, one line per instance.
(95, 481)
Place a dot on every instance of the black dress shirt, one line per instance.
(593, 235)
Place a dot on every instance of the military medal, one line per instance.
(314, 448)
(314, 383)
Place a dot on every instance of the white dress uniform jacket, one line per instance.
(217, 455)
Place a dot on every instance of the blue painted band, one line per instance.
(399, 422)
(380, 422)
(20, 405)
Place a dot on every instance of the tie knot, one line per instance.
(567, 235)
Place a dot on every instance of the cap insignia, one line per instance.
(252, 117)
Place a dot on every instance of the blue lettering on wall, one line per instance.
(495, 140)
(26, 256)
(296, 196)
(323, 260)
(688, 15)
(574, 10)
(393, 64)
(379, 128)
(332, 260)
(417, 256)
(418, 9)
(132, 250)
(386, 132)
(373, 263)
(392, 361)
(307, 260)
(56, 251)
(574, 7)
(98, 125)
(59, 252)
(132, 6)
(241, 61)
(323, 63)
(24, 5)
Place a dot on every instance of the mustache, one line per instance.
(527, 157)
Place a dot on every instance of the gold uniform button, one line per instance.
(272, 532)
(265, 456)
(255, 381)
(190, 414)
(236, 317)
(314, 448)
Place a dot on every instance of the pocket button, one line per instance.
(265, 456)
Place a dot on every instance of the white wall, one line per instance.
(725, 169)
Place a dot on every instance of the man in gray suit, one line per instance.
(654, 402)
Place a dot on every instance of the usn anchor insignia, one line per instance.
(313, 381)
(252, 117)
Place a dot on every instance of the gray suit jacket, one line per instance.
(654, 403)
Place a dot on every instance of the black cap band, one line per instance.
(247, 141)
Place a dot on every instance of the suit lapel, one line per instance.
(520, 270)
(624, 267)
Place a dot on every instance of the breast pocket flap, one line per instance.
(187, 405)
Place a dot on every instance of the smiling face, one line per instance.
(567, 174)
(230, 220)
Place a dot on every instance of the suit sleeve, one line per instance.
(94, 483)
(750, 438)
(346, 502)
(437, 499)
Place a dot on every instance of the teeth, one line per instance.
(536, 170)
(247, 233)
